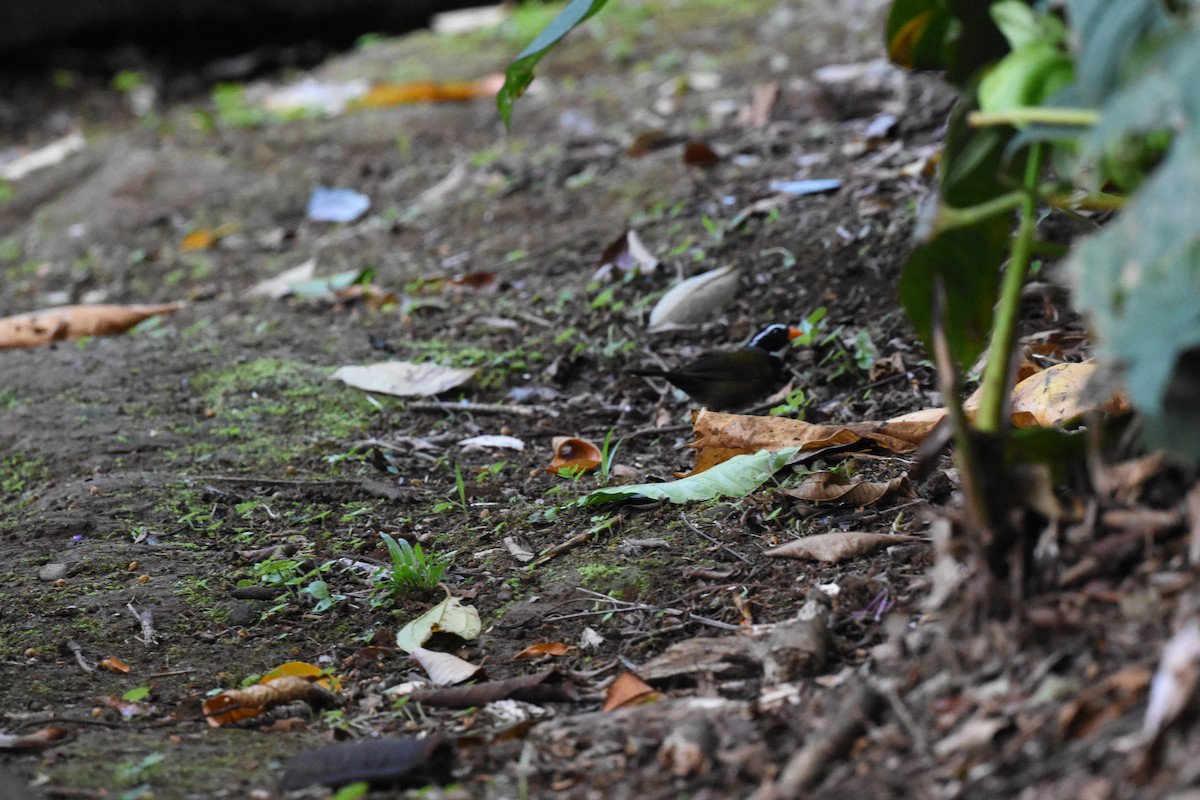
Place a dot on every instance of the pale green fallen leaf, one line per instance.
(449, 616)
(737, 477)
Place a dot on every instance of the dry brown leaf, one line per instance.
(839, 546)
(235, 705)
(114, 664)
(719, 437)
(570, 452)
(1058, 395)
(34, 742)
(625, 253)
(1104, 702)
(699, 154)
(757, 113)
(628, 690)
(831, 487)
(543, 649)
(74, 322)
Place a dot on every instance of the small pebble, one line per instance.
(52, 572)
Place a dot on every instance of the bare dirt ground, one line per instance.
(140, 472)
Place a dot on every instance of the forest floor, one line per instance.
(153, 484)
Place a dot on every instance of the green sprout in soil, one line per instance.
(413, 571)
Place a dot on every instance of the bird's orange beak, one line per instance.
(794, 333)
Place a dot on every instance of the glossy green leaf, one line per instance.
(519, 73)
(967, 260)
(1025, 77)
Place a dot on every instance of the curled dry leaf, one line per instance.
(698, 154)
(623, 255)
(697, 299)
(830, 487)
(839, 546)
(543, 649)
(114, 664)
(34, 742)
(628, 690)
(403, 378)
(235, 705)
(570, 452)
(74, 322)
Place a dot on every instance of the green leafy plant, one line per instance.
(459, 502)
(608, 452)
(297, 581)
(519, 73)
(412, 570)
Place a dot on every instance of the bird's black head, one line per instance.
(773, 338)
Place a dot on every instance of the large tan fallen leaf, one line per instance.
(719, 437)
(74, 322)
(403, 378)
(839, 546)
(1058, 395)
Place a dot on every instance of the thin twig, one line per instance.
(704, 535)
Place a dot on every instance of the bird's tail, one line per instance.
(649, 373)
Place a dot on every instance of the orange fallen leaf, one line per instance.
(542, 649)
(570, 452)
(385, 95)
(204, 238)
(628, 690)
(114, 664)
(305, 670)
(74, 322)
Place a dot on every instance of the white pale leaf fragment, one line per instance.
(1173, 686)
(697, 299)
(403, 378)
(444, 669)
(491, 440)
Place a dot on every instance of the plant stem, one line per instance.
(994, 398)
(1073, 117)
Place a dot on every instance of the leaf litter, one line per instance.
(267, 468)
